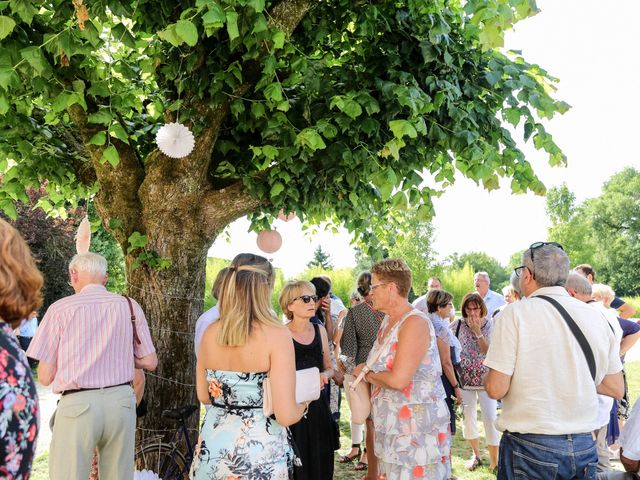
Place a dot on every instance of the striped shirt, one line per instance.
(89, 339)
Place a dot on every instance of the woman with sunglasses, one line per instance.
(314, 435)
(473, 331)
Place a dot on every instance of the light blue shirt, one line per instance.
(493, 301)
(28, 327)
(206, 319)
(442, 330)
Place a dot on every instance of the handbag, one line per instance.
(359, 391)
(307, 389)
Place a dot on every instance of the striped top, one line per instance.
(89, 339)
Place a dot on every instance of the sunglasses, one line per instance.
(307, 298)
(535, 246)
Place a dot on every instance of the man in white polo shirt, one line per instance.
(549, 389)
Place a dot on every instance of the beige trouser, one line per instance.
(103, 419)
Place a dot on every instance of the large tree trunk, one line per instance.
(172, 300)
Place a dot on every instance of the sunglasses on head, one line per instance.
(307, 298)
(535, 246)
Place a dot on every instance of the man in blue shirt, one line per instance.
(493, 300)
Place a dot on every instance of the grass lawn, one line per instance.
(461, 451)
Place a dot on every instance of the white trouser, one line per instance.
(489, 408)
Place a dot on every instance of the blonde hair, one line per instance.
(290, 292)
(394, 270)
(245, 299)
(20, 280)
(89, 263)
(602, 293)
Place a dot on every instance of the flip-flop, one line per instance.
(359, 466)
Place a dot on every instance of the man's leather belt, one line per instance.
(67, 392)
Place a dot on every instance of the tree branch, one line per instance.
(118, 195)
(285, 15)
(221, 207)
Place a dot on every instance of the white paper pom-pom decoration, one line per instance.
(145, 475)
(175, 140)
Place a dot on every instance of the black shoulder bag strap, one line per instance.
(584, 344)
(458, 327)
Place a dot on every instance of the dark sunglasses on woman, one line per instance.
(307, 298)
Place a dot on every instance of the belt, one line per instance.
(68, 392)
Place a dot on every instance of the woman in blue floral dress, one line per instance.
(20, 284)
(237, 353)
(410, 416)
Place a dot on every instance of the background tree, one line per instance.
(414, 244)
(481, 262)
(571, 225)
(320, 259)
(327, 109)
(603, 231)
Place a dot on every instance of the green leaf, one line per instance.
(257, 5)
(270, 152)
(276, 189)
(170, 35)
(351, 108)
(35, 58)
(257, 109)
(116, 130)
(4, 104)
(9, 209)
(111, 155)
(213, 19)
(25, 10)
(137, 240)
(8, 77)
(278, 40)
(187, 31)
(99, 138)
(273, 92)
(102, 116)
(310, 139)
(232, 25)
(6, 26)
(512, 115)
(400, 128)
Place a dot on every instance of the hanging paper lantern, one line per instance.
(175, 140)
(286, 218)
(145, 475)
(269, 241)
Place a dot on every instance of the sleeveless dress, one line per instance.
(412, 438)
(236, 440)
(315, 434)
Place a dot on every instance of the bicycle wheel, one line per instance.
(156, 460)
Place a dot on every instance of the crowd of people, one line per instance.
(544, 364)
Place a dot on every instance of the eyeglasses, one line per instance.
(472, 308)
(518, 270)
(535, 246)
(307, 298)
(376, 285)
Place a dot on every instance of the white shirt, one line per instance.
(493, 301)
(630, 435)
(206, 319)
(605, 403)
(551, 390)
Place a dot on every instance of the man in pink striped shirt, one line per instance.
(88, 345)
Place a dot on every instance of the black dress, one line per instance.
(315, 435)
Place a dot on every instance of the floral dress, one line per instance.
(236, 440)
(18, 409)
(412, 438)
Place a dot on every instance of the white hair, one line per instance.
(484, 275)
(578, 283)
(603, 293)
(89, 262)
(549, 265)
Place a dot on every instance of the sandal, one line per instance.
(351, 458)
(360, 466)
(473, 463)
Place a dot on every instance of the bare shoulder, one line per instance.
(276, 336)
(415, 324)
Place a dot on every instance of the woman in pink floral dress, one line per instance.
(410, 416)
